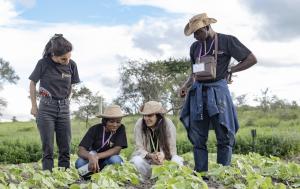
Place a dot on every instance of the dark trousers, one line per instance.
(198, 135)
(54, 116)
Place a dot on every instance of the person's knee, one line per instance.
(115, 159)
(80, 162)
(137, 160)
(197, 140)
(227, 140)
(142, 166)
(177, 159)
(200, 143)
(48, 154)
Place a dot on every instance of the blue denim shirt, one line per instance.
(218, 102)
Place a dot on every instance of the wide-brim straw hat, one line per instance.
(196, 22)
(152, 107)
(112, 111)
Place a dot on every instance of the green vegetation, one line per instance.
(277, 134)
(20, 141)
(247, 172)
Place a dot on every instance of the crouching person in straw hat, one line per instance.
(208, 102)
(155, 139)
(102, 143)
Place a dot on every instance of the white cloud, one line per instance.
(282, 82)
(99, 50)
(187, 6)
(18, 102)
(26, 3)
(7, 12)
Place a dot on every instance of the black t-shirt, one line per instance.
(55, 78)
(93, 138)
(228, 46)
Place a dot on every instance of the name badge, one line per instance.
(198, 67)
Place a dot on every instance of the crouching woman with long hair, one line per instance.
(155, 139)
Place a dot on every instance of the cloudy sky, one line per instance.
(106, 33)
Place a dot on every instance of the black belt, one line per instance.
(56, 98)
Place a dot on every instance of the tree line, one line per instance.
(158, 80)
(141, 81)
(7, 74)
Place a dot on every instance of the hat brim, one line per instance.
(188, 30)
(110, 116)
(163, 111)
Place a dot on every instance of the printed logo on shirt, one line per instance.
(65, 75)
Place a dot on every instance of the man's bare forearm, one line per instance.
(113, 151)
(245, 64)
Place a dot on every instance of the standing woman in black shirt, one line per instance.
(56, 73)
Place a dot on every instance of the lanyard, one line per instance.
(107, 141)
(205, 53)
(152, 143)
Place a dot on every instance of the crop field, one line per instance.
(275, 163)
(247, 171)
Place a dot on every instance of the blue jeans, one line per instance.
(198, 135)
(115, 159)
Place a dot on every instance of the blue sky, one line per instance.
(107, 12)
(106, 33)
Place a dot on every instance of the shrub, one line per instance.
(268, 122)
(287, 115)
(268, 145)
(17, 152)
(184, 146)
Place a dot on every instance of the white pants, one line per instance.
(144, 166)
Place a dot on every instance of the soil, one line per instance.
(149, 183)
(146, 185)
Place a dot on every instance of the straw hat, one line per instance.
(152, 107)
(112, 111)
(196, 22)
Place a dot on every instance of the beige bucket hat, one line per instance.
(196, 22)
(152, 107)
(112, 111)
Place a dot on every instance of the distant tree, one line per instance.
(7, 74)
(241, 100)
(264, 100)
(277, 103)
(270, 102)
(139, 83)
(144, 80)
(14, 119)
(3, 104)
(294, 105)
(88, 103)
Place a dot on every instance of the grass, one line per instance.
(287, 129)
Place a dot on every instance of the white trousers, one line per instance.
(144, 166)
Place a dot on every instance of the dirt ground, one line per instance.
(149, 183)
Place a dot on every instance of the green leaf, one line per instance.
(74, 186)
